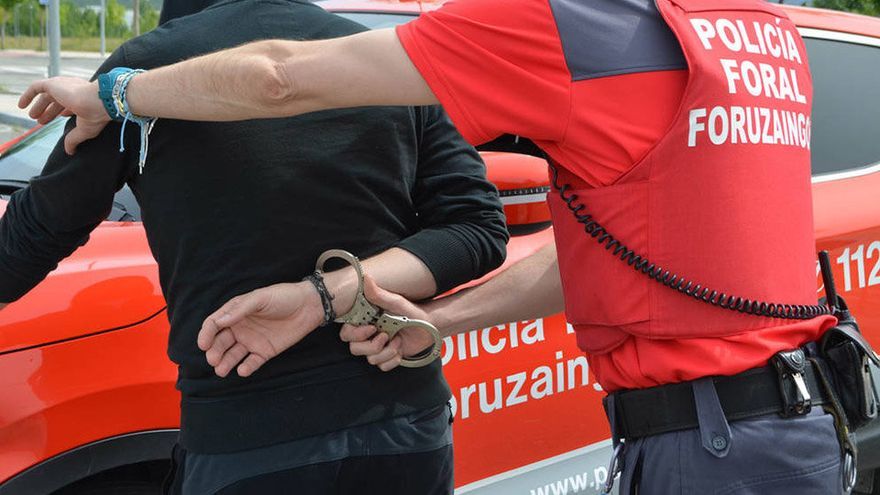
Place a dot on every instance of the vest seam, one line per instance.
(679, 113)
(629, 70)
(564, 135)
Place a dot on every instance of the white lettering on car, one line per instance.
(860, 256)
(519, 387)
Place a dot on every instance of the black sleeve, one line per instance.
(463, 234)
(46, 221)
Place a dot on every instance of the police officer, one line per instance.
(678, 137)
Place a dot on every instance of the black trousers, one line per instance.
(424, 473)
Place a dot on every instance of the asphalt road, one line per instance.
(18, 68)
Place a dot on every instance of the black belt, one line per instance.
(756, 392)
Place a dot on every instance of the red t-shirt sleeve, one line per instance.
(496, 66)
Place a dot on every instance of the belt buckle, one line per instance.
(791, 365)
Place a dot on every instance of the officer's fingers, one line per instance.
(79, 134)
(251, 364)
(389, 352)
(373, 346)
(40, 104)
(384, 299)
(53, 111)
(222, 343)
(31, 92)
(354, 333)
(230, 358)
(391, 363)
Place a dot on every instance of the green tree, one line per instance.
(149, 17)
(22, 13)
(78, 21)
(867, 7)
(116, 26)
(6, 7)
(25, 14)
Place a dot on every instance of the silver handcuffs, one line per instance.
(365, 313)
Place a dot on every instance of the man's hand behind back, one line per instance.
(252, 328)
(67, 96)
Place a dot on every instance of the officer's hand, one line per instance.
(366, 341)
(253, 328)
(67, 96)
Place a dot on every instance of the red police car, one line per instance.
(87, 399)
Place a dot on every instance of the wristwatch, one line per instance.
(106, 82)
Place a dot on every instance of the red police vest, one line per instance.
(723, 198)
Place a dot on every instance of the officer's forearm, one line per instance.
(529, 289)
(233, 84)
(281, 78)
(396, 269)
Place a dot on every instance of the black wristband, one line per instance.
(326, 298)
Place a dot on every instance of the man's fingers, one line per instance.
(251, 364)
(352, 333)
(208, 332)
(240, 307)
(221, 344)
(370, 347)
(218, 320)
(230, 359)
(31, 92)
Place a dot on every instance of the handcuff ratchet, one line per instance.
(365, 313)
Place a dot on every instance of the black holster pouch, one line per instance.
(848, 355)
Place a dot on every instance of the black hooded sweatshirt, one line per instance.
(231, 207)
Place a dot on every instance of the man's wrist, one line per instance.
(325, 299)
(342, 285)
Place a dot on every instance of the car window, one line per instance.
(846, 104)
(27, 158)
(377, 20)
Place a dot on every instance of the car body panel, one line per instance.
(528, 415)
(847, 220)
(832, 20)
(9, 144)
(111, 282)
(61, 396)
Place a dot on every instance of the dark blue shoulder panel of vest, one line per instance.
(603, 38)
